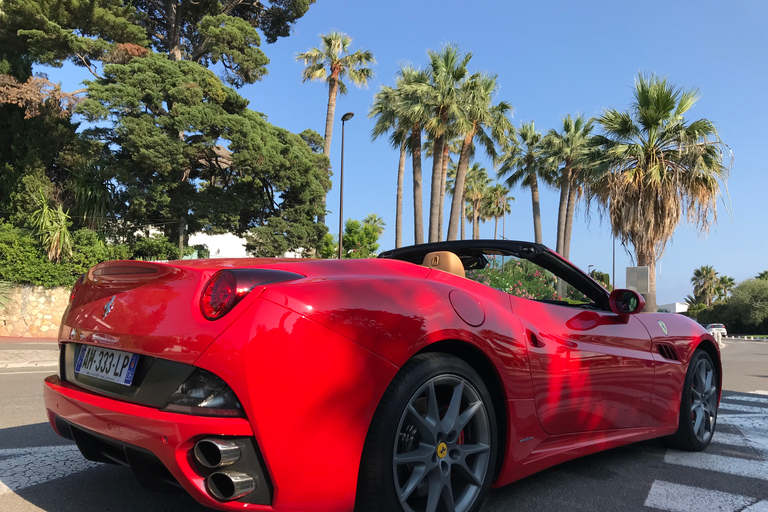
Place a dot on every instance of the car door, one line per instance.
(591, 370)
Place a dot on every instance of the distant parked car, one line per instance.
(715, 328)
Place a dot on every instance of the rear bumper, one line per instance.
(167, 437)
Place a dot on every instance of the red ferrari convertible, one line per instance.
(410, 382)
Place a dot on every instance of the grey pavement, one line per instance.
(28, 353)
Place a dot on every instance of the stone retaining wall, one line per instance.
(34, 312)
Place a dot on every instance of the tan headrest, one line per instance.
(445, 261)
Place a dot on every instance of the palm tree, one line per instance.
(475, 190)
(377, 222)
(705, 282)
(657, 168)
(450, 147)
(436, 104)
(384, 109)
(331, 64)
(724, 286)
(412, 110)
(497, 205)
(523, 162)
(482, 120)
(570, 148)
(450, 189)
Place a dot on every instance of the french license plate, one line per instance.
(107, 364)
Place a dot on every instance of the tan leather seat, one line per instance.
(445, 261)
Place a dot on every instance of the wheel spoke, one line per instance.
(423, 454)
(467, 450)
(434, 492)
(701, 374)
(419, 472)
(462, 470)
(698, 413)
(451, 415)
(447, 495)
(467, 415)
(708, 379)
(425, 427)
(433, 412)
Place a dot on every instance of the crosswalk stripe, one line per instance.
(754, 399)
(760, 506)
(719, 463)
(731, 439)
(742, 408)
(683, 498)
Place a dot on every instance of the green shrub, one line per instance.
(520, 278)
(154, 247)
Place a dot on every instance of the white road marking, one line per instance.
(683, 498)
(754, 399)
(46, 372)
(760, 506)
(759, 392)
(25, 467)
(742, 408)
(731, 439)
(719, 463)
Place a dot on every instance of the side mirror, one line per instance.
(626, 302)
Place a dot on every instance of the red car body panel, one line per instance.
(310, 359)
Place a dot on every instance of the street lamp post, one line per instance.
(346, 117)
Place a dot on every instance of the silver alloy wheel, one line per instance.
(442, 447)
(703, 400)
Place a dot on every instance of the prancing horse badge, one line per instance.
(663, 327)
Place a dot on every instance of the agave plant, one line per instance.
(52, 228)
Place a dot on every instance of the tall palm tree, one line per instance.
(569, 148)
(523, 161)
(497, 205)
(657, 168)
(451, 147)
(475, 189)
(705, 282)
(384, 109)
(439, 100)
(414, 113)
(479, 119)
(330, 64)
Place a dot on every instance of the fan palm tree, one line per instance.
(657, 167)
(488, 123)
(451, 147)
(384, 109)
(705, 282)
(571, 149)
(724, 286)
(523, 162)
(330, 64)
(475, 189)
(437, 104)
(377, 222)
(496, 205)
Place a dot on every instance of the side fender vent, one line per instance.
(667, 351)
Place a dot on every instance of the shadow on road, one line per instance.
(49, 473)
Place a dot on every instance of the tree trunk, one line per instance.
(536, 209)
(173, 29)
(458, 190)
(418, 207)
(648, 259)
(463, 217)
(443, 178)
(399, 205)
(333, 89)
(476, 220)
(495, 228)
(565, 184)
(434, 198)
(572, 191)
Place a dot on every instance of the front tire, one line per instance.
(698, 405)
(432, 442)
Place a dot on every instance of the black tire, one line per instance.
(698, 405)
(454, 456)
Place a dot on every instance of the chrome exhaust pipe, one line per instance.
(230, 485)
(217, 453)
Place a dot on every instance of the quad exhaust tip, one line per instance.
(217, 453)
(230, 485)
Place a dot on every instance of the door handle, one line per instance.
(536, 342)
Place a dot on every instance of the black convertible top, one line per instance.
(472, 254)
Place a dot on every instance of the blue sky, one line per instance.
(552, 58)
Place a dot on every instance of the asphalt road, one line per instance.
(40, 471)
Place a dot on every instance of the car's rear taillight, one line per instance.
(78, 283)
(226, 288)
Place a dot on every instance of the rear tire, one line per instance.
(698, 405)
(432, 442)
